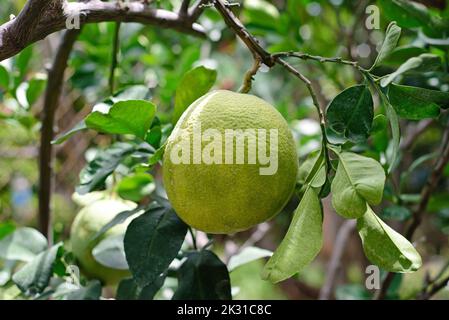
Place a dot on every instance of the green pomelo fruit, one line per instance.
(228, 198)
(86, 225)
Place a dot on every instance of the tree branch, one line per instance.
(197, 10)
(51, 100)
(37, 23)
(418, 213)
(334, 265)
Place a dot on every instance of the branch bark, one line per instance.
(51, 100)
(35, 23)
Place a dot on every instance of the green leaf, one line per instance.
(110, 252)
(203, 277)
(194, 84)
(93, 176)
(4, 78)
(124, 117)
(136, 186)
(352, 292)
(129, 290)
(385, 247)
(90, 292)
(34, 277)
(358, 180)
(6, 228)
(408, 14)
(157, 156)
(302, 242)
(351, 113)
(402, 54)
(81, 126)
(137, 92)
(247, 255)
(23, 245)
(392, 36)
(312, 170)
(395, 131)
(398, 213)
(152, 241)
(424, 62)
(415, 103)
(120, 218)
(23, 59)
(35, 88)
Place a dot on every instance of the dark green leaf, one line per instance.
(402, 54)
(352, 292)
(302, 242)
(136, 186)
(93, 176)
(351, 113)
(408, 14)
(203, 277)
(424, 62)
(392, 36)
(124, 117)
(23, 245)
(6, 228)
(195, 83)
(91, 292)
(152, 241)
(398, 213)
(129, 290)
(385, 247)
(81, 126)
(417, 103)
(110, 252)
(34, 277)
(358, 180)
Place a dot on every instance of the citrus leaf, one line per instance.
(395, 131)
(358, 180)
(35, 88)
(81, 126)
(415, 103)
(23, 245)
(425, 62)
(110, 252)
(129, 290)
(302, 242)
(34, 277)
(247, 255)
(397, 213)
(136, 186)
(4, 78)
(351, 113)
(194, 84)
(93, 176)
(392, 36)
(313, 170)
(124, 117)
(402, 54)
(203, 276)
(408, 14)
(385, 247)
(152, 241)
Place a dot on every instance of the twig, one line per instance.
(418, 213)
(197, 10)
(435, 288)
(114, 58)
(51, 100)
(249, 76)
(334, 265)
(192, 235)
(52, 17)
(184, 10)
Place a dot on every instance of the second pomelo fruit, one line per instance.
(87, 223)
(228, 198)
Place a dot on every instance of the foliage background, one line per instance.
(157, 59)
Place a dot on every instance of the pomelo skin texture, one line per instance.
(228, 198)
(86, 224)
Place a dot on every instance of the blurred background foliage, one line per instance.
(152, 62)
